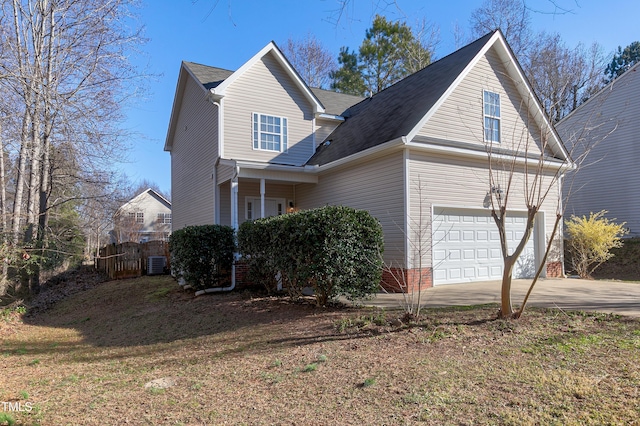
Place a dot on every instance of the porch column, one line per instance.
(234, 203)
(262, 191)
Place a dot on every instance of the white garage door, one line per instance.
(466, 246)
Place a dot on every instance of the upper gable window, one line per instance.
(491, 116)
(269, 132)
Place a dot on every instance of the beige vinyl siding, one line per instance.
(266, 88)
(324, 129)
(376, 185)
(608, 179)
(460, 118)
(451, 182)
(225, 173)
(192, 159)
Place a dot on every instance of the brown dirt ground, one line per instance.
(248, 358)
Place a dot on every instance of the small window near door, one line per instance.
(272, 207)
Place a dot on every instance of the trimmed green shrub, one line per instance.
(203, 255)
(336, 250)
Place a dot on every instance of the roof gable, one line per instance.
(147, 194)
(220, 89)
(402, 109)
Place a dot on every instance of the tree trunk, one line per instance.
(506, 309)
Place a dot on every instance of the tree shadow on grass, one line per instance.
(150, 315)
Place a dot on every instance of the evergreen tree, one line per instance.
(348, 78)
(623, 60)
(389, 52)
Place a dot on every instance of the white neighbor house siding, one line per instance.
(150, 207)
(609, 123)
(460, 117)
(376, 185)
(265, 88)
(451, 182)
(192, 159)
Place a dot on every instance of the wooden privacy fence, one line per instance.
(128, 260)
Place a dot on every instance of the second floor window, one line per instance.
(491, 116)
(269, 132)
(164, 218)
(139, 217)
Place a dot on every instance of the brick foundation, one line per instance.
(399, 280)
(554, 269)
(242, 280)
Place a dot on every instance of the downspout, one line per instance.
(236, 256)
(561, 225)
(220, 135)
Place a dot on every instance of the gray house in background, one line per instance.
(258, 141)
(608, 126)
(146, 217)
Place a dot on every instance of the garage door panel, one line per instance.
(467, 246)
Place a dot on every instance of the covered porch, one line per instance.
(251, 190)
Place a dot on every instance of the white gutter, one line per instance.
(563, 165)
(331, 117)
(265, 166)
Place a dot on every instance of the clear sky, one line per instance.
(226, 33)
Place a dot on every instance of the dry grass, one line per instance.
(247, 359)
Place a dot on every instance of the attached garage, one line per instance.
(466, 246)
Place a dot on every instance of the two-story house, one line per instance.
(146, 217)
(258, 141)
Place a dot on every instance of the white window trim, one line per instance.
(284, 132)
(486, 115)
(255, 208)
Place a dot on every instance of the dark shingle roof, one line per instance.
(335, 103)
(209, 77)
(395, 111)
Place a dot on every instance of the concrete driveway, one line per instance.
(562, 293)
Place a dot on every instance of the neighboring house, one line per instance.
(146, 217)
(607, 126)
(257, 142)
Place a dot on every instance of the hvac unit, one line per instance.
(155, 265)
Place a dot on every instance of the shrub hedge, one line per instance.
(335, 250)
(203, 255)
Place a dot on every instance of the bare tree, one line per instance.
(420, 53)
(67, 74)
(311, 59)
(563, 78)
(528, 172)
(511, 16)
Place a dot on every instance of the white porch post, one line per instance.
(234, 203)
(262, 191)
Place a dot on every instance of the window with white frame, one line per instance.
(139, 217)
(164, 218)
(269, 132)
(491, 116)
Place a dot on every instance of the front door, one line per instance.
(272, 207)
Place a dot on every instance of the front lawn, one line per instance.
(142, 351)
